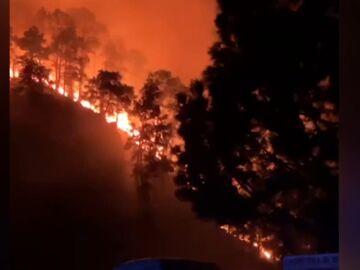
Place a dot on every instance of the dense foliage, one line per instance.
(261, 147)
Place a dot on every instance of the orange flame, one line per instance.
(111, 118)
(263, 253)
(120, 118)
(14, 73)
(123, 123)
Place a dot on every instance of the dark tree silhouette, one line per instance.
(262, 156)
(33, 43)
(53, 22)
(65, 47)
(156, 112)
(32, 77)
(112, 94)
(74, 37)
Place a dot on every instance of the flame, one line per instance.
(76, 95)
(61, 90)
(121, 119)
(266, 253)
(123, 123)
(263, 252)
(87, 104)
(14, 73)
(111, 118)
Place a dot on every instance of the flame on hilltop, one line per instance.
(120, 118)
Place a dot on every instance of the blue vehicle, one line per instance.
(166, 264)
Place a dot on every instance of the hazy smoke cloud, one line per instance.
(146, 35)
(130, 62)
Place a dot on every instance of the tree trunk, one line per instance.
(57, 72)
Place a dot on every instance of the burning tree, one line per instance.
(33, 76)
(33, 43)
(262, 159)
(72, 40)
(156, 112)
(109, 92)
(65, 47)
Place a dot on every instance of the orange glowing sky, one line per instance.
(148, 34)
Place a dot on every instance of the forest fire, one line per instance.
(270, 175)
(263, 252)
(122, 122)
(121, 119)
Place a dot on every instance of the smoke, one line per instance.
(130, 62)
(143, 35)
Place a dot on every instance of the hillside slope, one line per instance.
(74, 204)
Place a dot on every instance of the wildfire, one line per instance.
(263, 252)
(120, 118)
(124, 124)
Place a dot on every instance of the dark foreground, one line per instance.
(74, 204)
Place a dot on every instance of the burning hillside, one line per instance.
(253, 143)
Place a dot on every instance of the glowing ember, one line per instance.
(157, 155)
(267, 254)
(258, 244)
